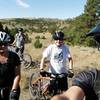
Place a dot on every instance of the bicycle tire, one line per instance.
(34, 89)
(26, 60)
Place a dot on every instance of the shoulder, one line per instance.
(66, 47)
(14, 58)
(50, 46)
(48, 49)
(13, 54)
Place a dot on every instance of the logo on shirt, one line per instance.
(58, 56)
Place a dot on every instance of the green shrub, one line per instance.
(37, 44)
(37, 37)
(43, 37)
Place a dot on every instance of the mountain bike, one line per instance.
(25, 58)
(39, 85)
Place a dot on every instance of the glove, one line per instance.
(70, 74)
(13, 95)
(44, 73)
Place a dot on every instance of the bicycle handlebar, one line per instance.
(53, 75)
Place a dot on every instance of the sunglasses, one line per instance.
(3, 44)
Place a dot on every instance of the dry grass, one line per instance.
(83, 57)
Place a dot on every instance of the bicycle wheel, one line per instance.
(26, 60)
(35, 87)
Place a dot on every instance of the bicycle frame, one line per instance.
(39, 87)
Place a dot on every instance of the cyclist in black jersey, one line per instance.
(85, 84)
(9, 70)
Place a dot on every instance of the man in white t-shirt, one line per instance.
(58, 55)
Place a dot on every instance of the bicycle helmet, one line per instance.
(20, 29)
(58, 36)
(4, 38)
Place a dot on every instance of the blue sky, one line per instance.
(61, 9)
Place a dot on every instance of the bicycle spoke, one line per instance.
(38, 88)
(33, 88)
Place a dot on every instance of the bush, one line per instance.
(43, 37)
(37, 37)
(37, 44)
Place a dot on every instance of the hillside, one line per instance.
(83, 57)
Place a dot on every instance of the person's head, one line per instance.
(58, 37)
(4, 41)
(20, 30)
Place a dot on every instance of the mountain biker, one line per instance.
(58, 54)
(85, 84)
(20, 41)
(9, 70)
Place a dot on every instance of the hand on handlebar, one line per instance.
(70, 73)
(42, 72)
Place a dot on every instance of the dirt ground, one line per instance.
(83, 58)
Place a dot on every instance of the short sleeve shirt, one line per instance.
(58, 57)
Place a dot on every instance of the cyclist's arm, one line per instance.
(70, 63)
(42, 63)
(73, 93)
(69, 58)
(17, 78)
(14, 41)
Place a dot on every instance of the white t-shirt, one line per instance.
(58, 57)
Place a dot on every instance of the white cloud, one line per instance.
(22, 3)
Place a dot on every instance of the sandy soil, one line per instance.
(83, 57)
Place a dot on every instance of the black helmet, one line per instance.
(58, 36)
(20, 29)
